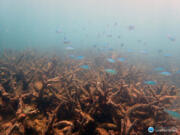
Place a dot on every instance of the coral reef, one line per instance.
(43, 95)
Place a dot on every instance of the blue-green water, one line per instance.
(107, 49)
(32, 23)
(141, 31)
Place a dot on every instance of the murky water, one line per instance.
(80, 67)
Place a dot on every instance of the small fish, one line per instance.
(72, 56)
(159, 69)
(94, 46)
(80, 57)
(69, 48)
(144, 43)
(111, 71)
(119, 37)
(139, 41)
(160, 51)
(122, 44)
(150, 82)
(131, 27)
(106, 44)
(110, 49)
(67, 42)
(58, 31)
(130, 50)
(178, 72)
(109, 35)
(121, 59)
(110, 60)
(165, 73)
(84, 66)
(171, 38)
(173, 113)
(115, 24)
(167, 55)
(143, 52)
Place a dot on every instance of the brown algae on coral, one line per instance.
(65, 97)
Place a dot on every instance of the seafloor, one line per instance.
(41, 94)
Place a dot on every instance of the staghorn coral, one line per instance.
(48, 95)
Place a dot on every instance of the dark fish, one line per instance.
(115, 24)
(131, 27)
(160, 51)
(67, 42)
(139, 41)
(109, 35)
(94, 46)
(122, 44)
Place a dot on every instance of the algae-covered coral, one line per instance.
(44, 95)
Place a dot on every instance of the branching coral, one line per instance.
(46, 96)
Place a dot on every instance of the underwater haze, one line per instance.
(34, 23)
(89, 67)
